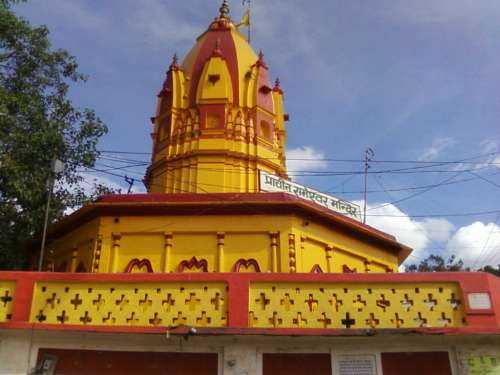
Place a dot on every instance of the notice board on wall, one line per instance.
(356, 364)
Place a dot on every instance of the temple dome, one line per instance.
(234, 49)
(218, 120)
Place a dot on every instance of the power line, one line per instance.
(409, 188)
(417, 193)
(478, 213)
(349, 160)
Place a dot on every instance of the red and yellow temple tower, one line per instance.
(235, 271)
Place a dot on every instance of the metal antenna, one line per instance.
(130, 181)
(369, 154)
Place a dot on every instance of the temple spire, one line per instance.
(224, 10)
(175, 62)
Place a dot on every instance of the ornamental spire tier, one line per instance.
(218, 119)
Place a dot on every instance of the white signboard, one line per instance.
(479, 301)
(356, 365)
(272, 183)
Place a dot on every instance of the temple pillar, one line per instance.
(220, 251)
(167, 252)
(115, 248)
(240, 359)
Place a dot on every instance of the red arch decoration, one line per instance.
(193, 263)
(245, 263)
(139, 264)
(316, 269)
(346, 269)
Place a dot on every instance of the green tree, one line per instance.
(436, 263)
(492, 270)
(37, 124)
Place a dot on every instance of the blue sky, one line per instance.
(413, 80)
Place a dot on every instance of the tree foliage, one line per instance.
(38, 123)
(436, 263)
(492, 270)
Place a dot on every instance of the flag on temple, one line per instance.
(245, 20)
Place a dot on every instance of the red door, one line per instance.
(98, 362)
(416, 363)
(297, 364)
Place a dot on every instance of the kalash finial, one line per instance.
(224, 10)
(175, 62)
(277, 86)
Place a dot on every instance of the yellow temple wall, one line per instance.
(277, 243)
(331, 249)
(74, 248)
(167, 241)
(211, 173)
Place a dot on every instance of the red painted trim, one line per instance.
(139, 264)
(193, 263)
(478, 280)
(238, 301)
(228, 51)
(487, 322)
(23, 295)
(245, 263)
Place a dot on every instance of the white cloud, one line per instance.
(438, 146)
(158, 25)
(73, 13)
(418, 235)
(491, 159)
(476, 244)
(305, 158)
(438, 229)
(489, 146)
(390, 219)
(443, 11)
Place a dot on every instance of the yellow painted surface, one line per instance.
(221, 240)
(323, 305)
(217, 149)
(246, 57)
(346, 248)
(215, 83)
(138, 304)
(73, 248)
(483, 364)
(6, 299)
(208, 140)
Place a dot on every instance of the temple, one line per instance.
(225, 258)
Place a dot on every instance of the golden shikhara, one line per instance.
(219, 125)
(218, 118)
(6, 299)
(368, 306)
(127, 304)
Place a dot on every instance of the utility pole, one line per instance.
(56, 167)
(369, 154)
